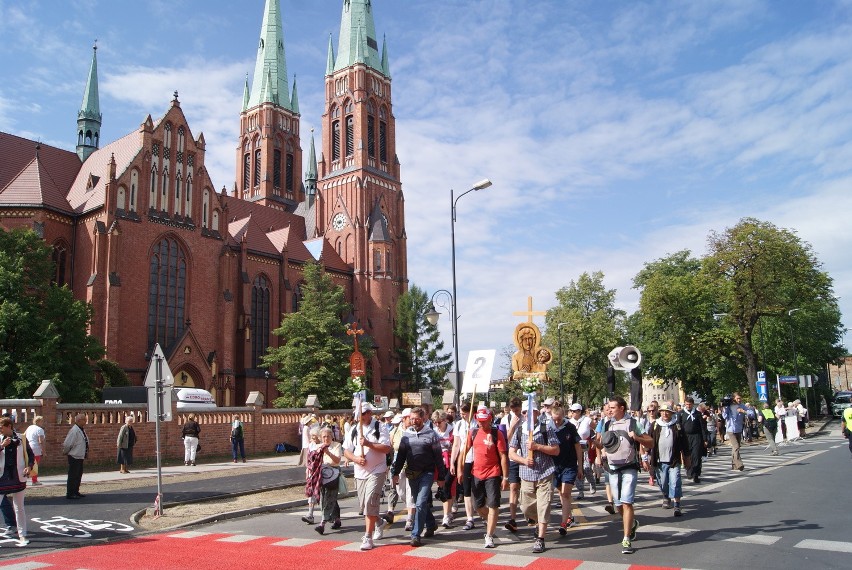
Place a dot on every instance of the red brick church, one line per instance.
(140, 231)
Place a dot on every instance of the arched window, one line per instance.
(181, 138)
(335, 140)
(120, 198)
(134, 184)
(297, 297)
(88, 141)
(256, 180)
(383, 135)
(60, 257)
(246, 171)
(153, 198)
(188, 210)
(178, 203)
(215, 223)
(167, 142)
(80, 137)
(205, 207)
(164, 199)
(276, 169)
(166, 294)
(288, 173)
(371, 136)
(260, 302)
(350, 135)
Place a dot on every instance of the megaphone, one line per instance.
(625, 357)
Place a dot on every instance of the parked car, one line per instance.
(842, 400)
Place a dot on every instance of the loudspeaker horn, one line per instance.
(625, 357)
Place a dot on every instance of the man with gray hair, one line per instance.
(76, 447)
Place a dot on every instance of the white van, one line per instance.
(189, 399)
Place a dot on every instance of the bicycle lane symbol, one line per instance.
(79, 528)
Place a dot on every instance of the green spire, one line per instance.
(246, 94)
(271, 65)
(89, 117)
(385, 66)
(356, 22)
(311, 173)
(329, 66)
(294, 98)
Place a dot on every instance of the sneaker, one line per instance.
(696, 479)
(468, 525)
(320, 528)
(610, 508)
(627, 547)
(581, 496)
(446, 522)
(538, 545)
(531, 522)
(192, 463)
(455, 509)
(366, 543)
(308, 519)
(429, 532)
(677, 512)
(378, 532)
(336, 524)
(409, 524)
(511, 525)
(22, 542)
(40, 483)
(633, 530)
(415, 542)
(388, 518)
(489, 541)
(667, 503)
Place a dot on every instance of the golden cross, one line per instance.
(529, 313)
(354, 331)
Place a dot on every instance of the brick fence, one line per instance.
(262, 428)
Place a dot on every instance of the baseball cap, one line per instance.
(483, 413)
(576, 407)
(405, 413)
(548, 402)
(396, 419)
(525, 405)
(388, 414)
(367, 407)
(665, 408)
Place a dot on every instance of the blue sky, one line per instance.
(614, 132)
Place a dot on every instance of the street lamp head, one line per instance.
(482, 184)
(432, 316)
(791, 311)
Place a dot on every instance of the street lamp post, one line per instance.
(795, 361)
(443, 297)
(481, 185)
(561, 376)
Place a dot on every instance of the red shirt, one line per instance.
(486, 462)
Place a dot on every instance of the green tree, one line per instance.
(593, 327)
(422, 360)
(43, 329)
(756, 270)
(314, 346)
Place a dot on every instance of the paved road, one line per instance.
(786, 502)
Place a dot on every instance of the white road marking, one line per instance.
(239, 538)
(588, 565)
(190, 534)
(670, 530)
(429, 552)
(832, 545)
(761, 539)
(296, 542)
(27, 566)
(514, 560)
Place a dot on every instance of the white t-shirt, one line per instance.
(33, 434)
(460, 431)
(376, 461)
(584, 429)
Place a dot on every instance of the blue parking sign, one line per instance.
(761, 386)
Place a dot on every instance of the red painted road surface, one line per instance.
(217, 551)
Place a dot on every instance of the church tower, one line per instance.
(269, 157)
(359, 204)
(89, 116)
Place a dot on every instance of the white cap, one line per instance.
(525, 406)
(366, 407)
(405, 413)
(388, 414)
(576, 407)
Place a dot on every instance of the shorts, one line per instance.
(487, 492)
(514, 472)
(623, 486)
(370, 493)
(564, 475)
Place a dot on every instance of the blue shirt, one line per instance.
(733, 419)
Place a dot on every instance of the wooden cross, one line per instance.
(354, 331)
(529, 313)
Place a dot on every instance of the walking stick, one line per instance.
(467, 443)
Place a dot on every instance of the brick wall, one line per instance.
(262, 428)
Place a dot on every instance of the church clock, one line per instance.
(338, 222)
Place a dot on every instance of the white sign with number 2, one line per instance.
(477, 373)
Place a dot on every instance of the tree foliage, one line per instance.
(707, 321)
(43, 329)
(314, 346)
(592, 327)
(423, 363)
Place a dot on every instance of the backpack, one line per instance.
(627, 454)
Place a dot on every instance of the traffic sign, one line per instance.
(158, 359)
